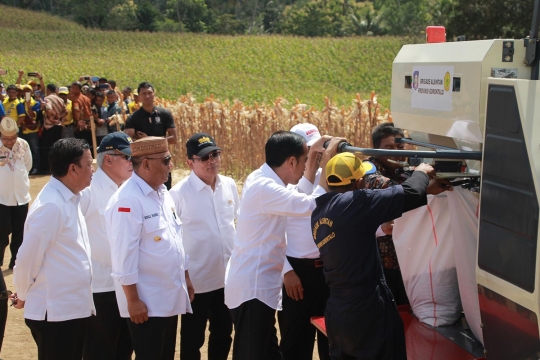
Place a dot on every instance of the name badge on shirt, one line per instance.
(158, 120)
(157, 238)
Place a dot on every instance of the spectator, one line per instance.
(151, 120)
(81, 113)
(30, 127)
(126, 93)
(100, 117)
(135, 104)
(53, 272)
(55, 111)
(67, 121)
(113, 109)
(13, 107)
(15, 163)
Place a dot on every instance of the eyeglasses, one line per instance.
(127, 157)
(214, 155)
(166, 160)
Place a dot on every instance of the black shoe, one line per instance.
(11, 264)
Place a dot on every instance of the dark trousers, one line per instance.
(154, 339)
(12, 220)
(3, 307)
(47, 140)
(210, 307)
(58, 339)
(85, 135)
(168, 183)
(297, 332)
(394, 280)
(255, 332)
(107, 334)
(33, 141)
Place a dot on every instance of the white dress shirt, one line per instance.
(300, 243)
(146, 248)
(14, 167)
(254, 270)
(94, 200)
(53, 271)
(207, 218)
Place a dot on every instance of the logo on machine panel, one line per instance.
(447, 81)
(416, 75)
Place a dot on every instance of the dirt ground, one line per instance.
(18, 343)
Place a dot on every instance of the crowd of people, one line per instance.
(47, 113)
(105, 261)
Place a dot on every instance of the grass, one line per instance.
(248, 68)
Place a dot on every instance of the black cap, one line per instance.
(116, 141)
(200, 144)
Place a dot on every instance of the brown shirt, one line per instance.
(82, 105)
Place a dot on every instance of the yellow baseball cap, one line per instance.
(345, 168)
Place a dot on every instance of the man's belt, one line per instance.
(317, 263)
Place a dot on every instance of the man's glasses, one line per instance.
(127, 157)
(166, 160)
(5, 140)
(214, 155)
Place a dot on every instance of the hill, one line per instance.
(248, 68)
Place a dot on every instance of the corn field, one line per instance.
(242, 130)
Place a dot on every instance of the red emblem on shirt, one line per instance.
(120, 209)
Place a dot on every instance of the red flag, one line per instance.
(121, 209)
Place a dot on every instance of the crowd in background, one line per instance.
(47, 113)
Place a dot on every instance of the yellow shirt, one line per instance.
(33, 103)
(68, 120)
(133, 106)
(14, 109)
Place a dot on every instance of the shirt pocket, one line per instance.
(155, 230)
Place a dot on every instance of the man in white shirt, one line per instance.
(207, 204)
(253, 278)
(304, 286)
(15, 163)
(149, 265)
(53, 270)
(107, 334)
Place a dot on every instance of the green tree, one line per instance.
(227, 24)
(192, 14)
(405, 17)
(480, 19)
(148, 17)
(122, 17)
(92, 13)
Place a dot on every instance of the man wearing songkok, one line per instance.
(253, 278)
(362, 320)
(304, 288)
(107, 334)
(149, 265)
(53, 271)
(15, 163)
(206, 203)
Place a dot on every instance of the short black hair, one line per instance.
(127, 88)
(281, 146)
(112, 83)
(382, 131)
(111, 92)
(102, 79)
(77, 83)
(65, 152)
(99, 94)
(11, 87)
(51, 87)
(92, 91)
(144, 84)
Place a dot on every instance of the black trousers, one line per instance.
(3, 307)
(209, 306)
(46, 141)
(255, 332)
(154, 339)
(394, 280)
(168, 183)
(107, 334)
(12, 220)
(58, 339)
(297, 332)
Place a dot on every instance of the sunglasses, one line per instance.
(166, 160)
(213, 155)
(127, 157)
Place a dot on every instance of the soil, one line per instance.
(18, 342)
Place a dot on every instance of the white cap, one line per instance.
(8, 127)
(308, 131)
(63, 90)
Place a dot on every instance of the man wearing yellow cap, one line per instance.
(361, 315)
(149, 265)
